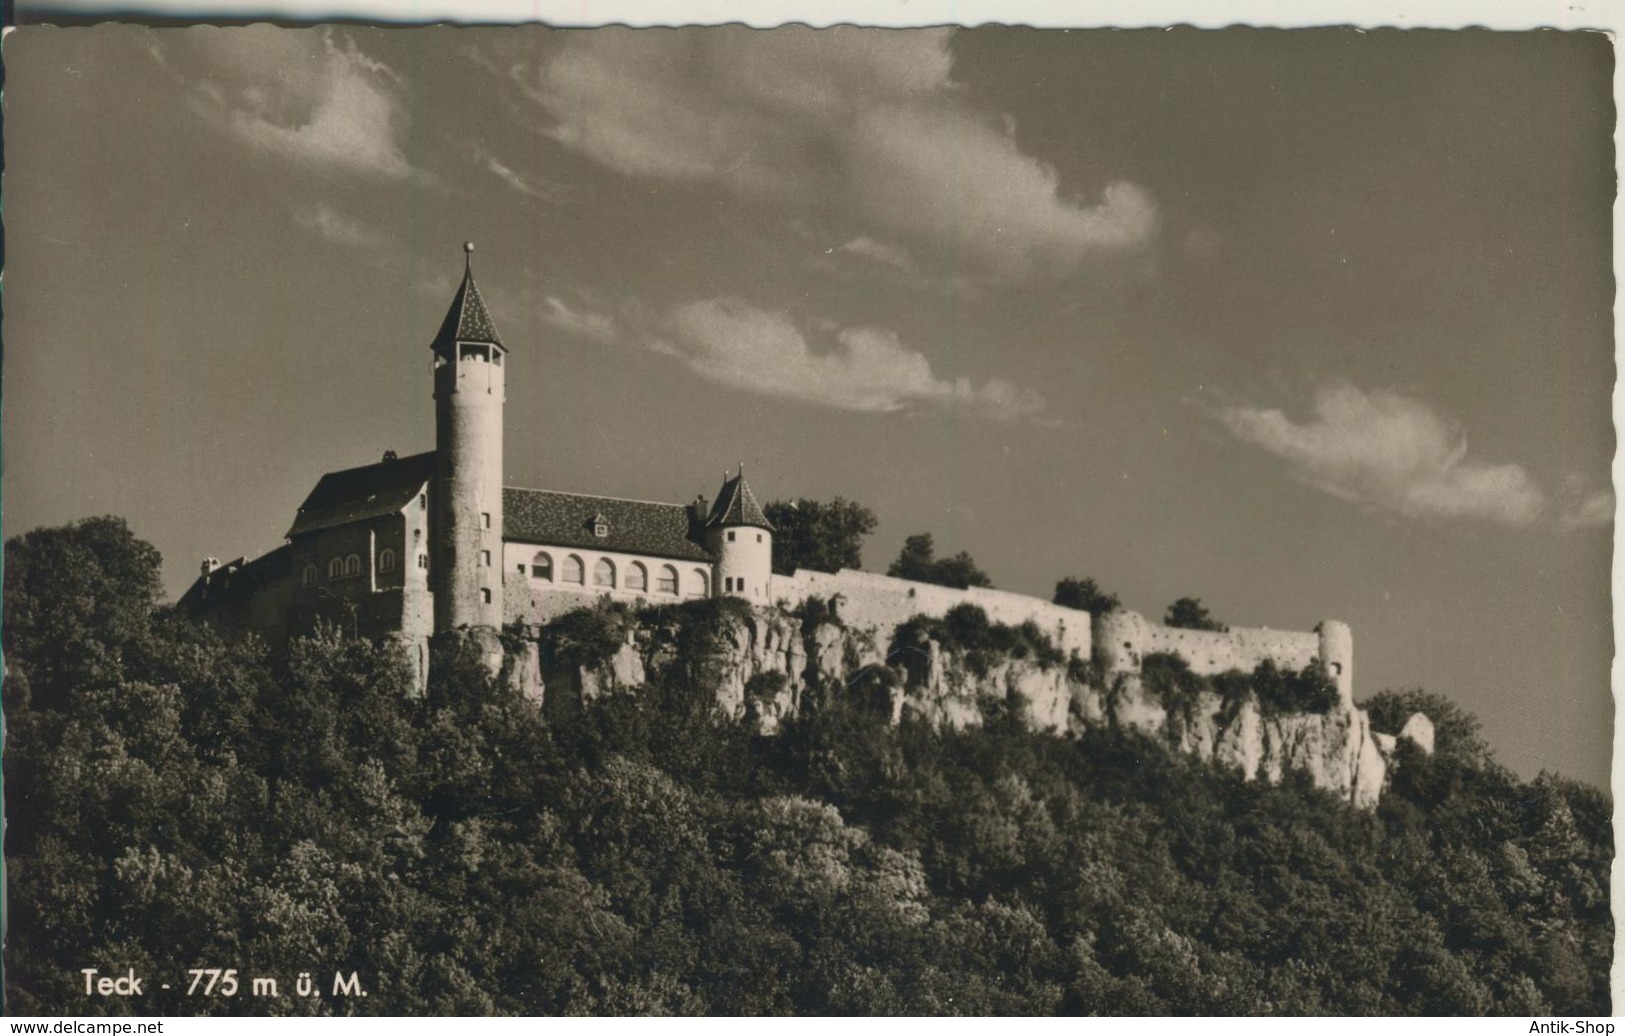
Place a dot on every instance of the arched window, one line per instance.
(603, 573)
(702, 582)
(572, 570)
(386, 560)
(666, 580)
(541, 566)
(335, 568)
(352, 565)
(637, 577)
(309, 578)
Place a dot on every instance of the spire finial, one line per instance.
(468, 254)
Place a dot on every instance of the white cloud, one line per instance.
(867, 123)
(337, 228)
(308, 97)
(596, 327)
(880, 252)
(1583, 506)
(532, 187)
(1392, 452)
(862, 369)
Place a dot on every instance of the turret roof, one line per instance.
(467, 320)
(736, 505)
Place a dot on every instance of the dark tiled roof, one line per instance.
(736, 505)
(565, 520)
(239, 579)
(467, 320)
(348, 496)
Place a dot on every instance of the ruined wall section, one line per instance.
(1124, 638)
(882, 603)
(1120, 640)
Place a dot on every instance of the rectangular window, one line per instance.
(730, 536)
(485, 558)
(485, 595)
(485, 519)
(758, 537)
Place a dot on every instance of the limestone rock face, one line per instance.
(946, 694)
(1130, 708)
(1335, 749)
(742, 648)
(765, 669)
(1045, 695)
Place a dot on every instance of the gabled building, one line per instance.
(434, 542)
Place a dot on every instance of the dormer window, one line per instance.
(600, 526)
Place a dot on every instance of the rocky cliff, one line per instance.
(765, 665)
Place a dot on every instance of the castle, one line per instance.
(410, 548)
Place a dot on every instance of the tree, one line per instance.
(75, 597)
(1187, 613)
(823, 537)
(1085, 595)
(919, 562)
(1456, 732)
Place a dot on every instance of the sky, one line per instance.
(1310, 324)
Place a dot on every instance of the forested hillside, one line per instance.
(175, 802)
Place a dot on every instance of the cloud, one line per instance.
(596, 327)
(308, 97)
(880, 252)
(1391, 452)
(528, 186)
(864, 123)
(337, 228)
(1583, 506)
(860, 369)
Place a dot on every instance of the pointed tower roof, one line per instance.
(736, 504)
(467, 320)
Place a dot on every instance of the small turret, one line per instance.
(740, 537)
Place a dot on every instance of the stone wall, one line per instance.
(882, 603)
(1119, 639)
(1124, 638)
(532, 600)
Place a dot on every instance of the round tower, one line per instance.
(1337, 655)
(466, 515)
(740, 537)
(1119, 639)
